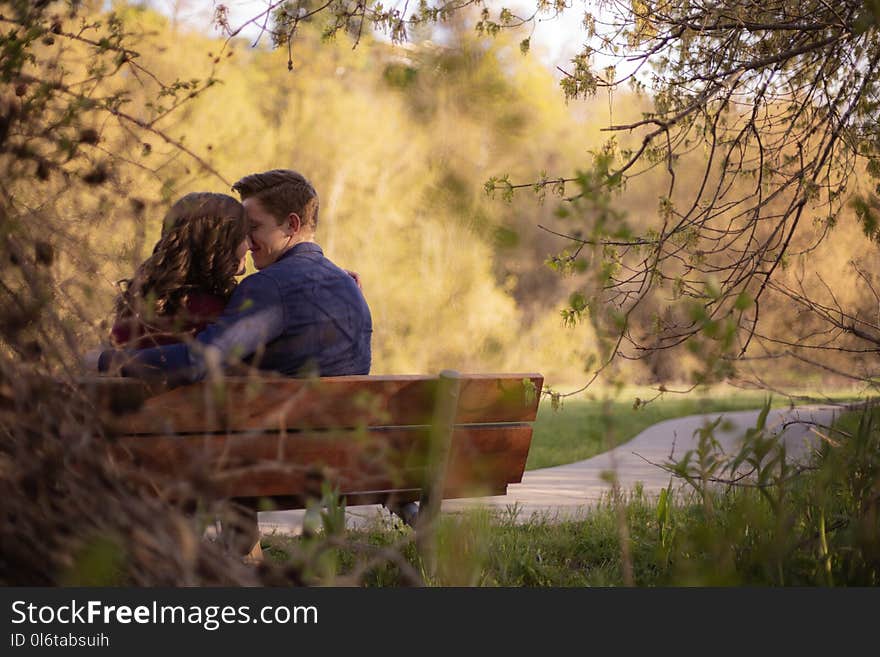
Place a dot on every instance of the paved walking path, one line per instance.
(569, 491)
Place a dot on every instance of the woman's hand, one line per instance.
(356, 277)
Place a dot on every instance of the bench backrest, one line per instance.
(366, 435)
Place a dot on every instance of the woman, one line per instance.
(186, 282)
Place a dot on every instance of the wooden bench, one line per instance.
(272, 442)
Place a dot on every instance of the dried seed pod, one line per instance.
(44, 253)
(89, 136)
(137, 205)
(96, 176)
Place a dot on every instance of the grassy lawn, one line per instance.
(820, 531)
(479, 549)
(583, 427)
(482, 549)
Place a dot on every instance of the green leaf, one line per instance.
(577, 301)
(662, 506)
(506, 238)
(743, 301)
(762, 418)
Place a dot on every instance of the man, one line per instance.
(299, 315)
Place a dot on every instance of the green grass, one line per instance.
(582, 428)
(482, 549)
(818, 528)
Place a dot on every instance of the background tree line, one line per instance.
(400, 142)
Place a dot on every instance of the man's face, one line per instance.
(268, 239)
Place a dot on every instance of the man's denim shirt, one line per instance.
(300, 316)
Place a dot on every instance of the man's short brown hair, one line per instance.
(282, 191)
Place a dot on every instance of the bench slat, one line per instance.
(483, 460)
(249, 404)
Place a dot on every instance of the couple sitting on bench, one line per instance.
(182, 317)
(182, 312)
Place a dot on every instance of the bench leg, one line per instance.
(406, 511)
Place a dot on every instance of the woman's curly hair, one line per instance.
(196, 253)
